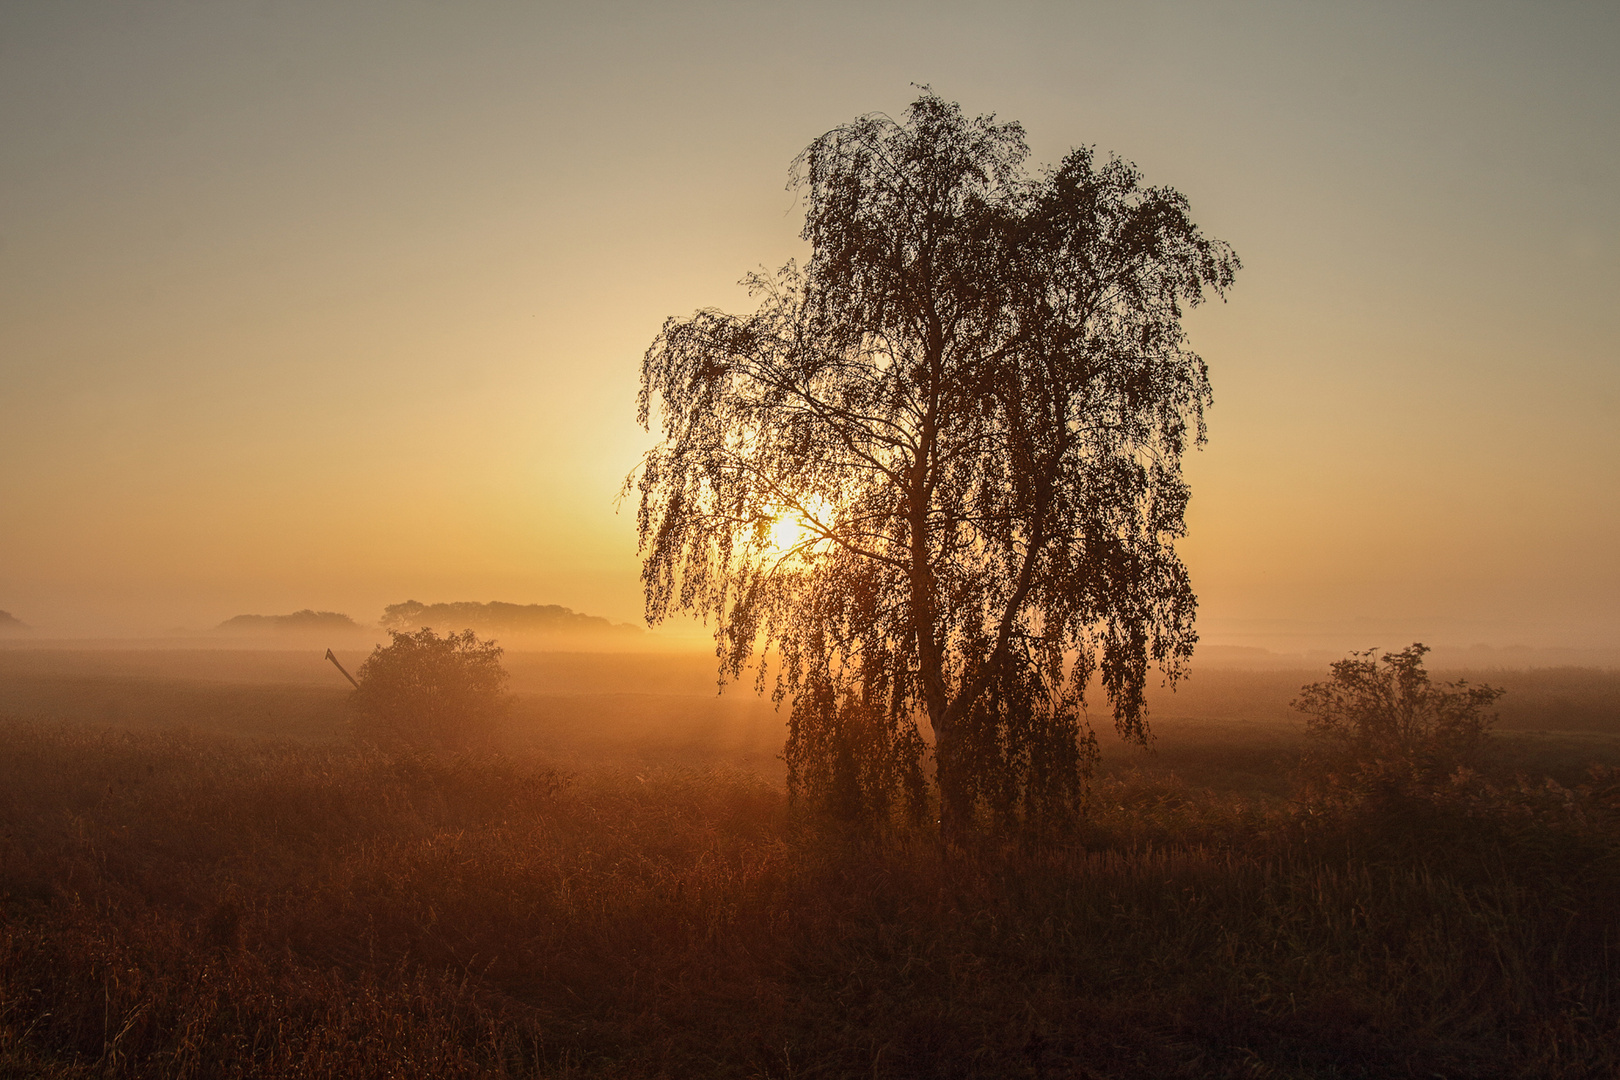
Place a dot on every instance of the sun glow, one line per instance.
(787, 532)
(791, 528)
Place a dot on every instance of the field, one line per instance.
(200, 877)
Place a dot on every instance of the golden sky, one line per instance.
(337, 304)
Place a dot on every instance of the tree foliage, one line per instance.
(430, 692)
(971, 404)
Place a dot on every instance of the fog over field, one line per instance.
(665, 707)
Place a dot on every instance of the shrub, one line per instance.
(1384, 719)
(429, 692)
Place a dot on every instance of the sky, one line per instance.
(335, 305)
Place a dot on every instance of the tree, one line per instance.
(970, 408)
(1383, 722)
(430, 692)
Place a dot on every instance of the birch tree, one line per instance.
(937, 471)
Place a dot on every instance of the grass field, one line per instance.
(211, 882)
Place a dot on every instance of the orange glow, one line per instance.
(309, 307)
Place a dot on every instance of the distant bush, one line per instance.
(1382, 722)
(1403, 769)
(430, 692)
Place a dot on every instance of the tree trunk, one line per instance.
(955, 794)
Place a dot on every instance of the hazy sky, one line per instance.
(337, 304)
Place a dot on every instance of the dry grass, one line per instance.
(176, 905)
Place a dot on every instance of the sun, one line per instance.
(791, 528)
(787, 532)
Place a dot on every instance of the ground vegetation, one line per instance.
(175, 904)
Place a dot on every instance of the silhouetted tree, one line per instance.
(430, 692)
(972, 403)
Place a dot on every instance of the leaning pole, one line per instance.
(341, 668)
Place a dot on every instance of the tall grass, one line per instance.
(176, 905)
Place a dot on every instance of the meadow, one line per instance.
(199, 876)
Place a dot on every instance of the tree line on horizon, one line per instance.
(492, 617)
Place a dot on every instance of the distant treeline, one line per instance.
(548, 619)
(298, 622)
(8, 621)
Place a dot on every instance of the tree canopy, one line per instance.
(969, 407)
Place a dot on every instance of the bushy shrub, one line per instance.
(1382, 723)
(1400, 767)
(429, 692)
